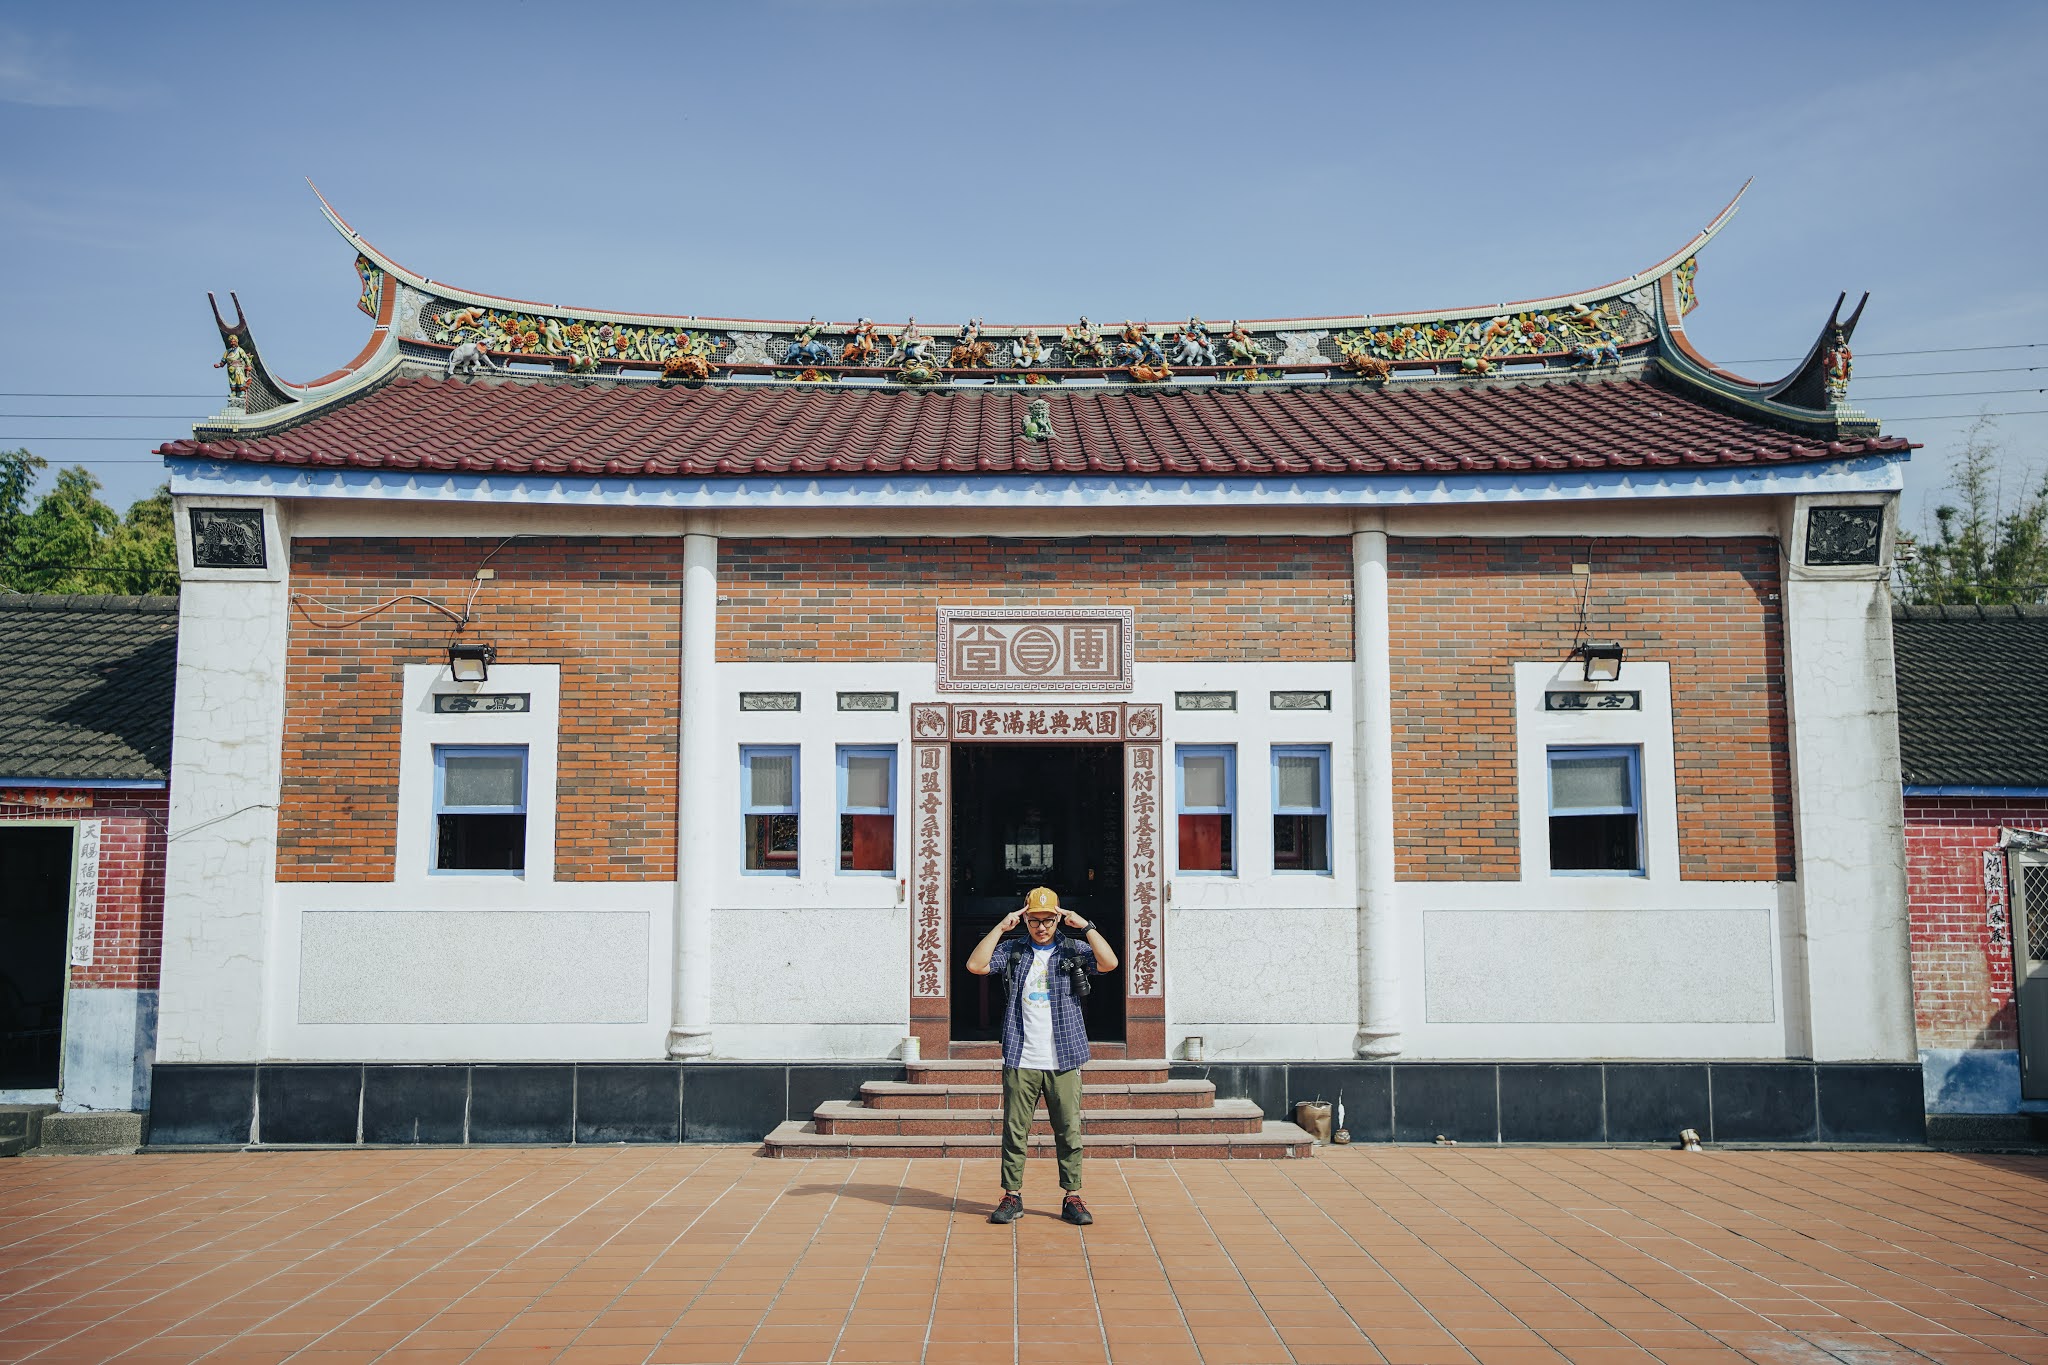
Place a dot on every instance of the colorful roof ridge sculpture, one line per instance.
(427, 334)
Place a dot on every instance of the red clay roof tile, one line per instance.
(1222, 431)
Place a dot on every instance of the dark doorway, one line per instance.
(35, 870)
(1028, 815)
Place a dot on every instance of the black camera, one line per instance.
(1077, 976)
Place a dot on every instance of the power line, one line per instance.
(110, 416)
(1959, 416)
(1935, 350)
(214, 396)
(1957, 393)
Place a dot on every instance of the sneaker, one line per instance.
(1009, 1210)
(1076, 1212)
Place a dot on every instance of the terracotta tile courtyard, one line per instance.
(702, 1254)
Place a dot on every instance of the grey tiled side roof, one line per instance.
(85, 686)
(1973, 695)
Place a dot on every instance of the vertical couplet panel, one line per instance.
(931, 767)
(1144, 1000)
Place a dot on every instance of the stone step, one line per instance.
(1272, 1141)
(93, 1131)
(838, 1117)
(1108, 1095)
(977, 1071)
(13, 1146)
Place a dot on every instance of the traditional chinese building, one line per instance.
(603, 725)
(85, 748)
(1973, 739)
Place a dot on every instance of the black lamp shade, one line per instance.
(1603, 660)
(470, 663)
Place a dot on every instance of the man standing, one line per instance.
(1044, 1038)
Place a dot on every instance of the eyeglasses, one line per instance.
(1043, 923)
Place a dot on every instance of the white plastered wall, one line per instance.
(472, 966)
(1847, 803)
(1571, 966)
(227, 735)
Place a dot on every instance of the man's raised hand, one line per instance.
(1010, 921)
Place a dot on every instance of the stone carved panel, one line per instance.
(228, 538)
(1842, 536)
(930, 768)
(1082, 649)
(1145, 917)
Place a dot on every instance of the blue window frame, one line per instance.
(1301, 808)
(1205, 800)
(480, 808)
(1596, 810)
(867, 809)
(769, 808)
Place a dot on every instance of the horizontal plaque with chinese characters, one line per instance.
(481, 703)
(45, 798)
(1592, 701)
(1082, 649)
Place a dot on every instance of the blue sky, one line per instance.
(1020, 161)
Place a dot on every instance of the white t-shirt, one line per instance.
(1038, 1053)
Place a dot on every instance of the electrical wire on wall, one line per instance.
(462, 619)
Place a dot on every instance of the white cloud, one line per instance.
(37, 71)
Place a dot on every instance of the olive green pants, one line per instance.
(1062, 1091)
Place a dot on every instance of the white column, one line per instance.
(227, 747)
(697, 793)
(1372, 710)
(1848, 812)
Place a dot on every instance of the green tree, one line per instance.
(140, 558)
(71, 542)
(18, 470)
(1983, 551)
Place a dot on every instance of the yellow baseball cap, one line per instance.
(1042, 900)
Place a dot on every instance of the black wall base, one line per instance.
(1773, 1102)
(326, 1103)
(329, 1103)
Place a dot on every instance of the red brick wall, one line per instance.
(129, 925)
(606, 610)
(1465, 610)
(1237, 598)
(1962, 941)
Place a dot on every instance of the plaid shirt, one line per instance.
(1010, 960)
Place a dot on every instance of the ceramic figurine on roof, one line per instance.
(1837, 362)
(806, 349)
(1038, 421)
(373, 284)
(1135, 346)
(861, 344)
(690, 361)
(913, 347)
(1239, 347)
(970, 352)
(240, 371)
(1028, 351)
(1192, 344)
(1084, 344)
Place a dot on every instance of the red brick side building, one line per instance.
(1975, 763)
(85, 739)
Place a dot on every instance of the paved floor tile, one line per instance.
(696, 1255)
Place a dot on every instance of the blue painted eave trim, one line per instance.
(1872, 473)
(102, 784)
